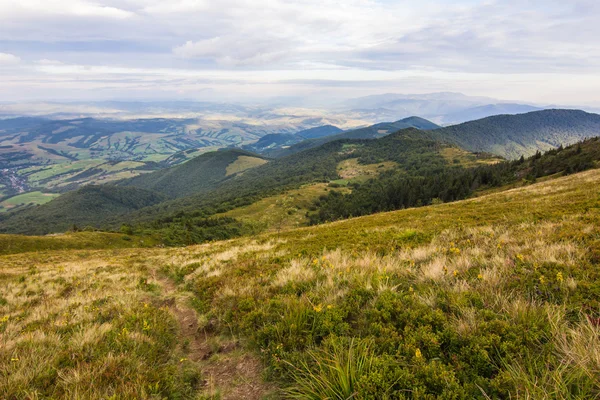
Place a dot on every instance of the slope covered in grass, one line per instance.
(197, 175)
(88, 206)
(492, 297)
(12, 244)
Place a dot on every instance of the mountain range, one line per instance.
(213, 183)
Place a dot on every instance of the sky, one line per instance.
(541, 52)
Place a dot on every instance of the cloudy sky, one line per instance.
(540, 51)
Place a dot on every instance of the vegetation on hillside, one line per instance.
(89, 206)
(13, 244)
(398, 189)
(85, 329)
(409, 149)
(200, 174)
(492, 297)
(370, 132)
(512, 136)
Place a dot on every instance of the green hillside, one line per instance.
(396, 190)
(512, 136)
(494, 297)
(88, 206)
(408, 168)
(409, 149)
(275, 142)
(370, 132)
(197, 175)
(14, 244)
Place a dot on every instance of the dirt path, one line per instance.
(228, 370)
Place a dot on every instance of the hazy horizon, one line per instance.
(538, 52)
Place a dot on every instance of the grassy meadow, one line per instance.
(492, 297)
(25, 199)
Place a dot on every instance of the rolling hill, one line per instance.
(370, 132)
(493, 297)
(429, 163)
(197, 175)
(276, 141)
(62, 154)
(217, 192)
(88, 206)
(513, 136)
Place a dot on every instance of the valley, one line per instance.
(299, 200)
(363, 264)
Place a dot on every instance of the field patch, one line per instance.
(351, 169)
(31, 198)
(458, 156)
(283, 211)
(243, 163)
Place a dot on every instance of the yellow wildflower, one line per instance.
(455, 273)
(542, 279)
(318, 308)
(418, 354)
(559, 277)
(480, 277)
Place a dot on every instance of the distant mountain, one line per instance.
(370, 132)
(197, 175)
(441, 101)
(216, 182)
(274, 142)
(318, 132)
(219, 188)
(442, 108)
(64, 154)
(513, 136)
(488, 110)
(90, 205)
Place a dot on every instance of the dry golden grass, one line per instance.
(520, 256)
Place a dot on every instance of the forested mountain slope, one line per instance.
(88, 206)
(409, 149)
(197, 175)
(371, 132)
(512, 136)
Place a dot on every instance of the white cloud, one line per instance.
(9, 59)
(46, 61)
(235, 51)
(301, 46)
(28, 9)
